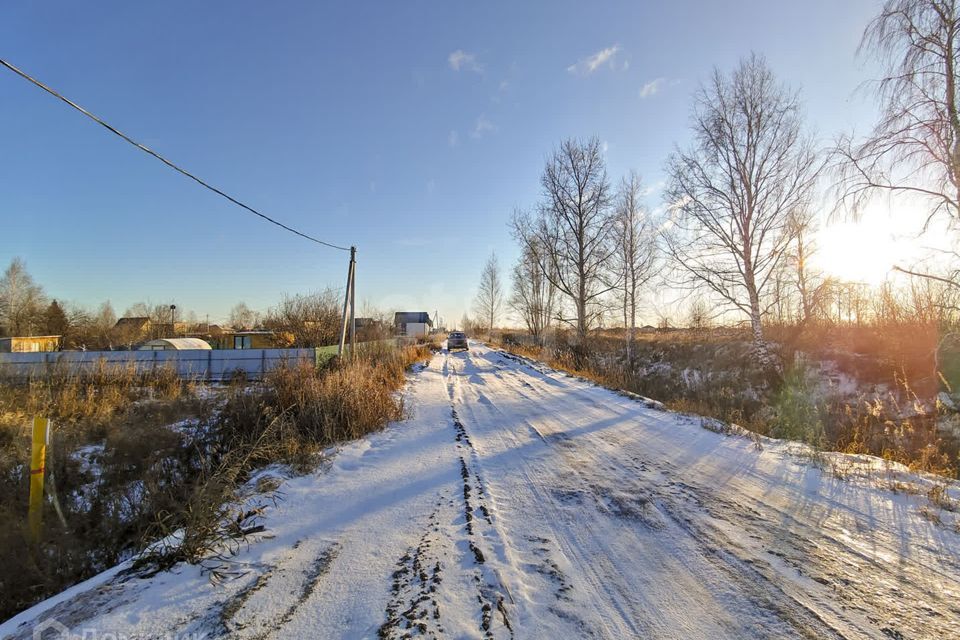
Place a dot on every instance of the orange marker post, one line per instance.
(37, 472)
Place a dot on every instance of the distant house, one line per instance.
(174, 344)
(30, 344)
(168, 329)
(256, 339)
(134, 327)
(412, 323)
(210, 332)
(371, 329)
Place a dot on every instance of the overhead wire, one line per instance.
(165, 161)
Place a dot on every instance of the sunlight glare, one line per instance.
(858, 252)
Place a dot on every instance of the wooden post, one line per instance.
(41, 428)
(346, 302)
(353, 306)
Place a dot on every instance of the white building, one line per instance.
(412, 323)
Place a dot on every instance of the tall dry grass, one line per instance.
(712, 373)
(314, 409)
(119, 418)
(140, 481)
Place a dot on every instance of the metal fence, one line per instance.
(195, 364)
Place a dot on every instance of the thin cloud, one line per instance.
(453, 139)
(482, 127)
(461, 59)
(654, 188)
(591, 63)
(652, 88)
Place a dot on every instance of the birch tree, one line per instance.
(635, 250)
(914, 148)
(21, 300)
(812, 286)
(732, 192)
(533, 296)
(242, 316)
(574, 225)
(490, 296)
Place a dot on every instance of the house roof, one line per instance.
(405, 317)
(132, 321)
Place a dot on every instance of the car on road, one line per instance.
(457, 340)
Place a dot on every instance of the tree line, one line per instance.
(311, 319)
(737, 222)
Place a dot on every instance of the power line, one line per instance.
(159, 157)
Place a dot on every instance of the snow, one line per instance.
(517, 501)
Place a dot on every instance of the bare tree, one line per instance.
(313, 319)
(813, 288)
(242, 317)
(635, 250)
(101, 325)
(22, 301)
(732, 193)
(574, 225)
(533, 296)
(489, 300)
(699, 316)
(915, 146)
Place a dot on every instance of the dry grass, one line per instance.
(290, 418)
(712, 373)
(140, 481)
(120, 418)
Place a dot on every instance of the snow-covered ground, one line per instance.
(518, 502)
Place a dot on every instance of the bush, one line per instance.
(289, 418)
(796, 414)
(714, 374)
(139, 481)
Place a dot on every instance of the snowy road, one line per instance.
(518, 502)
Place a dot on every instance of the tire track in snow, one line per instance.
(480, 532)
(575, 489)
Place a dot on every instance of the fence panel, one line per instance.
(196, 364)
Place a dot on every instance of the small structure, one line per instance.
(412, 323)
(255, 339)
(133, 325)
(133, 329)
(174, 344)
(30, 344)
(168, 329)
(371, 329)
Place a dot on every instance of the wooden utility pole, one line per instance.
(347, 304)
(353, 305)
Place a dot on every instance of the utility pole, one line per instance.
(347, 302)
(353, 305)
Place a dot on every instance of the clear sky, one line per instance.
(410, 129)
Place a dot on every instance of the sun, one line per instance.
(858, 252)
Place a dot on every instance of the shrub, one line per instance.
(796, 413)
(139, 481)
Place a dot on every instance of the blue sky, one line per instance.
(412, 130)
